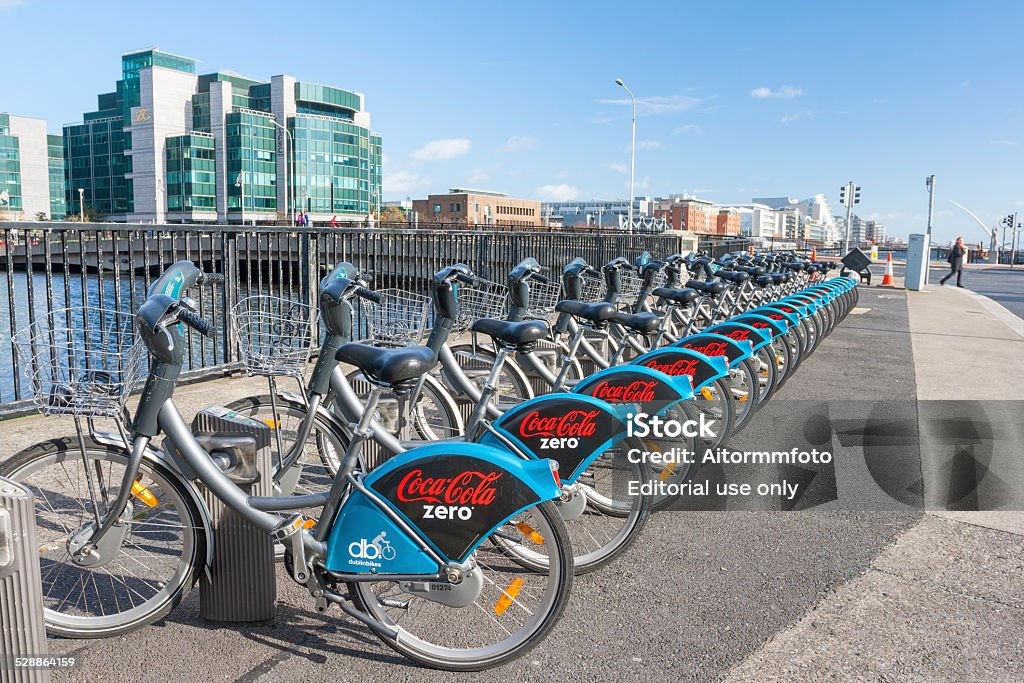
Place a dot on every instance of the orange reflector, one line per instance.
(743, 398)
(144, 494)
(531, 533)
(667, 472)
(509, 596)
(309, 524)
(706, 393)
(270, 422)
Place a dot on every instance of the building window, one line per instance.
(437, 208)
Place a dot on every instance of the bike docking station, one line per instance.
(22, 634)
(240, 586)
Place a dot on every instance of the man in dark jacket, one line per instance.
(956, 261)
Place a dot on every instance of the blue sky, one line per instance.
(736, 99)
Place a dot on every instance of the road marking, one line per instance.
(859, 311)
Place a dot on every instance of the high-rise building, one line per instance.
(31, 170)
(169, 145)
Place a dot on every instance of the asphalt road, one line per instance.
(999, 284)
(699, 591)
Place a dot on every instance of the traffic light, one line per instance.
(856, 194)
(1008, 221)
(842, 195)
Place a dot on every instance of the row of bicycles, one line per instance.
(446, 463)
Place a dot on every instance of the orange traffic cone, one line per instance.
(814, 254)
(887, 279)
(751, 251)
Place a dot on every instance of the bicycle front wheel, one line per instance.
(514, 610)
(162, 543)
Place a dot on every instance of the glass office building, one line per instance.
(171, 145)
(31, 170)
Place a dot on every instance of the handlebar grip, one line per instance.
(540, 278)
(465, 279)
(590, 270)
(195, 322)
(369, 295)
(212, 278)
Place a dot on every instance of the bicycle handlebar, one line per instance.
(195, 322)
(212, 278)
(369, 295)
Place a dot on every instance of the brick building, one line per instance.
(478, 207)
(696, 215)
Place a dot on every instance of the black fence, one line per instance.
(64, 267)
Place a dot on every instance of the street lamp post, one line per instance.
(929, 182)
(81, 205)
(632, 152)
(287, 185)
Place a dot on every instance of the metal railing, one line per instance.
(49, 269)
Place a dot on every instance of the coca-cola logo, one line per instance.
(682, 366)
(468, 488)
(741, 335)
(710, 349)
(634, 392)
(574, 423)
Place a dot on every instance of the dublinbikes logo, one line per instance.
(449, 497)
(370, 553)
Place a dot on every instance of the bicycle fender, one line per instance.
(795, 308)
(789, 320)
(775, 328)
(676, 361)
(454, 495)
(717, 345)
(738, 331)
(651, 391)
(571, 429)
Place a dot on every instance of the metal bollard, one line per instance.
(22, 633)
(241, 586)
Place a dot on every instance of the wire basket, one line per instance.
(81, 361)
(400, 319)
(632, 283)
(593, 288)
(482, 299)
(275, 335)
(542, 299)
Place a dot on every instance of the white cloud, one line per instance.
(557, 193)
(384, 158)
(785, 92)
(658, 104)
(442, 150)
(688, 128)
(478, 175)
(648, 144)
(790, 118)
(618, 168)
(404, 182)
(10, 4)
(517, 143)
(1008, 143)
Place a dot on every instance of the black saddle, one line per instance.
(680, 296)
(714, 288)
(752, 271)
(598, 313)
(398, 368)
(780, 278)
(765, 280)
(644, 323)
(517, 334)
(734, 277)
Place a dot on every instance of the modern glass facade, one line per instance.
(227, 148)
(191, 173)
(251, 161)
(55, 161)
(10, 169)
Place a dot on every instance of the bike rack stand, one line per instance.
(22, 633)
(241, 586)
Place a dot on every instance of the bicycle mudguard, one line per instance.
(454, 494)
(676, 361)
(795, 308)
(774, 327)
(809, 304)
(788, 317)
(571, 429)
(650, 391)
(739, 331)
(717, 345)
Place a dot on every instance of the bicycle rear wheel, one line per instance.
(514, 610)
(162, 548)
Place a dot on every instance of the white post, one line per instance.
(632, 153)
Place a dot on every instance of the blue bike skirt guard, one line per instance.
(571, 429)
(773, 327)
(453, 494)
(677, 361)
(717, 345)
(648, 390)
(739, 331)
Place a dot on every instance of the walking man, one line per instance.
(956, 262)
